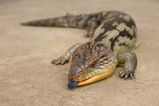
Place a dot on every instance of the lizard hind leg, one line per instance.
(66, 56)
(130, 62)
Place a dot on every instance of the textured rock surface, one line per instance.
(28, 79)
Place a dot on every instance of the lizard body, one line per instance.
(113, 35)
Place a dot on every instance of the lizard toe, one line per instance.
(127, 75)
(59, 61)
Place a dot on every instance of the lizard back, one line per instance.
(117, 31)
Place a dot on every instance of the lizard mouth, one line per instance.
(98, 77)
(104, 74)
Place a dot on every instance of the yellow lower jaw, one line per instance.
(107, 73)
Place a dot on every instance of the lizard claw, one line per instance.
(127, 75)
(58, 61)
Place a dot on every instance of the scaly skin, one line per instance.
(113, 35)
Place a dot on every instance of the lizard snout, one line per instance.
(72, 84)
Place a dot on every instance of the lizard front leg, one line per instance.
(130, 62)
(66, 56)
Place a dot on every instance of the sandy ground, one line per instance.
(28, 79)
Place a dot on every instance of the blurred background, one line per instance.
(28, 79)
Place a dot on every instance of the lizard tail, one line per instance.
(73, 21)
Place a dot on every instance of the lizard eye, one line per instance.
(93, 64)
(78, 75)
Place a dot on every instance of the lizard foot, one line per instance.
(127, 75)
(59, 61)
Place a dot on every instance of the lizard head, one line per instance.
(90, 63)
